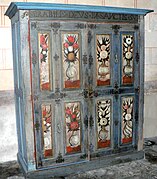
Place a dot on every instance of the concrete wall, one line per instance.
(8, 138)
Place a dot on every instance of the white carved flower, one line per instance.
(128, 117)
(128, 40)
(103, 121)
(103, 54)
(128, 55)
(70, 48)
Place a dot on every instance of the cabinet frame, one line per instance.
(25, 20)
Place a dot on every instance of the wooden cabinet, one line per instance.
(79, 75)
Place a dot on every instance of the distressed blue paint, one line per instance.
(15, 6)
(88, 106)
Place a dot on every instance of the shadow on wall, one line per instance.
(8, 136)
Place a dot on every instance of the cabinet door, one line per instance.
(59, 78)
(102, 75)
(128, 86)
(113, 88)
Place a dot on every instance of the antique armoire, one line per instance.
(79, 77)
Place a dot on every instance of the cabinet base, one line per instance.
(76, 168)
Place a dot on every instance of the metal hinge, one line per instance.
(91, 121)
(136, 117)
(137, 90)
(137, 57)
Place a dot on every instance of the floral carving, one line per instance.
(103, 60)
(47, 129)
(71, 60)
(71, 48)
(127, 59)
(103, 123)
(72, 117)
(44, 61)
(127, 108)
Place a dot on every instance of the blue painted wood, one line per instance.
(29, 110)
(15, 6)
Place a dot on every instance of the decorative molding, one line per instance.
(92, 26)
(80, 26)
(89, 36)
(34, 58)
(86, 121)
(59, 159)
(116, 28)
(84, 58)
(57, 95)
(89, 93)
(91, 121)
(85, 93)
(116, 90)
(88, 16)
(90, 60)
(55, 27)
(56, 57)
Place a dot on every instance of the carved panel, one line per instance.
(103, 123)
(47, 130)
(44, 60)
(127, 119)
(73, 127)
(71, 60)
(103, 48)
(127, 59)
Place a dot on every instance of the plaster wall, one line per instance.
(8, 138)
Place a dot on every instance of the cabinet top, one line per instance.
(15, 6)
